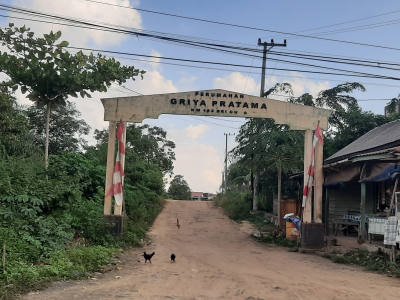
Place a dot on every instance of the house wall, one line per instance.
(347, 197)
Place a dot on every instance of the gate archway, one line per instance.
(220, 103)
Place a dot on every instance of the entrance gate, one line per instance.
(220, 103)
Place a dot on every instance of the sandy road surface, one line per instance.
(216, 259)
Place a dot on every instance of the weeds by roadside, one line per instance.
(237, 207)
(373, 261)
(20, 277)
(280, 241)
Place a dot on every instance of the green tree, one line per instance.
(268, 148)
(179, 189)
(237, 176)
(66, 131)
(147, 143)
(41, 67)
(15, 138)
(263, 145)
(348, 122)
(285, 155)
(150, 143)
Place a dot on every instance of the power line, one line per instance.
(228, 70)
(225, 120)
(369, 75)
(317, 57)
(219, 69)
(359, 74)
(168, 116)
(207, 46)
(337, 24)
(195, 38)
(244, 27)
(356, 28)
(257, 73)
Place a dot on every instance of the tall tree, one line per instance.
(179, 189)
(262, 144)
(66, 130)
(145, 142)
(41, 67)
(15, 138)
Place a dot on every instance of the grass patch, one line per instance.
(236, 205)
(279, 241)
(20, 277)
(373, 261)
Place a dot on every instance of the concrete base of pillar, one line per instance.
(312, 236)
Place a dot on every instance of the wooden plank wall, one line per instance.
(343, 199)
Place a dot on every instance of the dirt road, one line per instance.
(217, 259)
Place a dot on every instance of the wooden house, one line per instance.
(360, 180)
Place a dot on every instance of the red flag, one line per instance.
(319, 135)
(116, 190)
(311, 171)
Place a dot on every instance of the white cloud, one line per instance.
(195, 132)
(153, 83)
(92, 110)
(155, 60)
(94, 12)
(240, 83)
(186, 83)
(302, 85)
(237, 82)
(200, 165)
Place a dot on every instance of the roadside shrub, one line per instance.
(42, 212)
(76, 263)
(235, 204)
(373, 261)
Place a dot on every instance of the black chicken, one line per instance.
(147, 257)
(173, 257)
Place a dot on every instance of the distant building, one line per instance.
(200, 196)
(196, 196)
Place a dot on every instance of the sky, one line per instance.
(341, 26)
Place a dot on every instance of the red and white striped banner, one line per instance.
(318, 136)
(116, 189)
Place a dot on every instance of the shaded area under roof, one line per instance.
(383, 137)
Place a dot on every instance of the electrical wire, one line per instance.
(243, 26)
(337, 24)
(168, 116)
(359, 74)
(326, 59)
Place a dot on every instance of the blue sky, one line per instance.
(200, 140)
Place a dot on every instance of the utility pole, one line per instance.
(264, 65)
(262, 91)
(226, 157)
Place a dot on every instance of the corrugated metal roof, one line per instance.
(380, 138)
(384, 151)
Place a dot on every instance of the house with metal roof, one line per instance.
(200, 196)
(361, 181)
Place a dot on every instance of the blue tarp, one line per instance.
(381, 172)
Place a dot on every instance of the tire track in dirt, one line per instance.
(217, 259)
